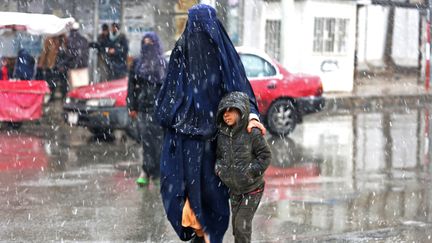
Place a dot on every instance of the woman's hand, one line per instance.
(254, 123)
(133, 114)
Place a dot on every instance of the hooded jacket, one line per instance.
(77, 51)
(242, 157)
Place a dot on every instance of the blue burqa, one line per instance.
(150, 65)
(204, 66)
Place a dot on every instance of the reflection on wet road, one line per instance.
(354, 177)
(359, 177)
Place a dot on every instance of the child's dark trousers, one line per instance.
(243, 208)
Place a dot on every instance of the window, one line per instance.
(330, 35)
(256, 66)
(273, 38)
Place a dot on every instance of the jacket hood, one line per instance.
(237, 100)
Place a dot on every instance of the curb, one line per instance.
(376, 102)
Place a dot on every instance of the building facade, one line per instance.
(312, 36)
(408, 37)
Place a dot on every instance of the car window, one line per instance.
(256, 66)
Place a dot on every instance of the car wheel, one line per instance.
(282, 117)
(103, 133)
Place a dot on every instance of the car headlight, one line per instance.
(100, 102)
(68, 100)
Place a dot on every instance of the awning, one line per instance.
(35, 24)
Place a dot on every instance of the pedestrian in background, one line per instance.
(77, 56)
(102, 47)
(47, 60)
(117, 53)
(241, 160)
(203, 67)
(61, 67)
(145, 79)
(25, 68)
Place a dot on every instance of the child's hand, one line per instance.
(217, 168)
(217, 172)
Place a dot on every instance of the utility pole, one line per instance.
(95, 75)
(428, 46)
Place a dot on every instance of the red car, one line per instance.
(283, 98)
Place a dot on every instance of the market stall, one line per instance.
(22, 100)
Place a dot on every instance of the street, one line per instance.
(339, 177)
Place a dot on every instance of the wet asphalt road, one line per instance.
(347, 177)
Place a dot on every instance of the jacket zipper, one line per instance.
(231, 152)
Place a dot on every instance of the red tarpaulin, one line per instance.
(22, 100)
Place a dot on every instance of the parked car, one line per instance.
(100, 107)
(283, 98)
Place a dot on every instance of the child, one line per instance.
(242, 158)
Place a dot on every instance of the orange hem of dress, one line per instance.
(189, 219)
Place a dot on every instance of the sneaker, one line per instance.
(141, 181)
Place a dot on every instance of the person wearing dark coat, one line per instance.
(77, 58)
(102, 48)
(61, 67)
(77, 49)
(24, 66)
(204, 66)
(145, 79)
(117, 54)
(241, 160)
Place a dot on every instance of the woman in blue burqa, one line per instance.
(203, 67)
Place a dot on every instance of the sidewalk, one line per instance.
(379, 92)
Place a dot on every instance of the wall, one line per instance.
(253, 35)
(340, 79)
(371, 36)
(372, 32)
(406, 37)
(297, 36)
